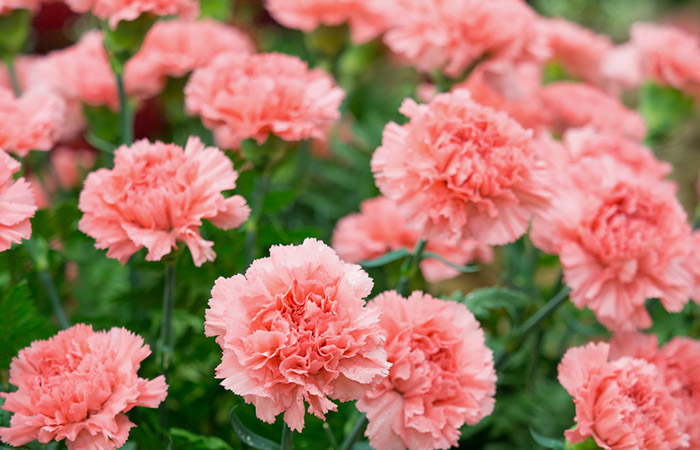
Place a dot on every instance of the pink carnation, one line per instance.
(158, 194)
(17, 204)
(295, 328)
(668, 55)
(621, 238)
(117, 10)
(253, 96)
(30, 122)
(693, 265)
(77, 386)
(366, 17)
(379, 228)
(579, 50)
(621, 68)
(576, 105)
(442, 374)
(174, 48)
(451, 35)
(7, 6)
(70, 165)
(459, 170)
(679, 364)
(623, 404)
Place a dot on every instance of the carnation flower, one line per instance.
(623, 404)
(451, 35)
(17, 204)
(174, 48)
(295, 328)
(253, 96)
(379, 228)
(7, 6)
(668, 55)
(577, 105)
(158, 194)
(30, 122)
(693, 265)
(459, 170)
(579, 50)
(78, 386)
(514, 90)
(117, 10)
(366, 17)
(70, 164)
(442, 374)
(622, 238)
(621, 68)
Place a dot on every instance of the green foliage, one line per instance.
(664, 109)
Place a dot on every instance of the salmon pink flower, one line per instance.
(442, 374)
(158, 194)
(17, 204)
(366, 17)
(693, 265)
(78, 386)
(174, 48)
(114, 11)
(460, 170)
(30, 122)
(253, 96)
(379, 228)
(295, 328)
(70, 164)
(7, 6)
(623, 404)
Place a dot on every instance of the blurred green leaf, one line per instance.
(482, 302)
(663, 109)
(248, 437)
(187, 440)
(546, 442)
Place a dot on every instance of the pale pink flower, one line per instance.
(17, 204)
(460, 170)
(253, 96)
(7, 6)
(576, 105)
(622, 404)
(117, 10)
(366, 18)
(621, 238)
(30, 122)
(295, 328)
(40, 191)
(514, 90)
(442, 374)
(621, 68)
(579, 50)
(174, 48)
(693, 265)
(70, 164)
(452, 34)
(379, 228)
(679, 363)
(668, 55)
(158, 194)
(77, 386)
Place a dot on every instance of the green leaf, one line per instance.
(482, 301)
(663, 109)
(462, 269)
(546, 442)
(385, 259)
(192, 441)
(248, 437)
(588, 444)
(14, 30)
(278, 200)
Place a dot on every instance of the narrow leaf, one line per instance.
(248, 437)
(385, 259)
(462, 269)
(546, 442)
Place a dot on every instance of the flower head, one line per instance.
(174, 48)
(77, 386)
(460, 170)
(295, 328)
(622, 404)
(30, 122)
(379, 228)
(441, 377)
(253, 96)
(117, 10)
(158, 194)
(7, 6)
(17, 204)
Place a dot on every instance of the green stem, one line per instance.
(287, 436)
(410, 267)
(355, 433)
(166, 337)
(125, 116)
(534, 321)
(253, 224)
(331, 437)
(50, 287)
(16, 87)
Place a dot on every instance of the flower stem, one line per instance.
(50, 287)
(14, 80)
(125, 116)
(253, 224)
(410, 267)
(355, 433)
(166, 337)
(287, 437)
